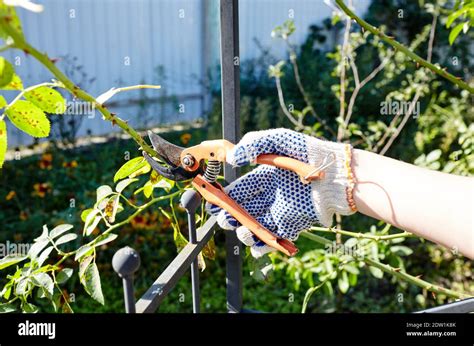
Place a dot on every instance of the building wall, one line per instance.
(173, 43)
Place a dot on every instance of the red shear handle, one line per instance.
(215, 194)
(217, 150)
(306, 172)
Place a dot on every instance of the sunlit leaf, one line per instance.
(6, 72)
(3, 141)
(10, 260)
(47, 99)
(66, 238)
(91, 282)
(64, 275)
(130, 167)
(58, 230)
(29, 118)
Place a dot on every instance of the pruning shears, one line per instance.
(202, 163)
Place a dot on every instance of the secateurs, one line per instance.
(189, 163)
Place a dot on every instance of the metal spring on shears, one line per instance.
(213, 169)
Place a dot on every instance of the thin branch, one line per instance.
(301, 88)
(360, 85)
(363, 235)
(342, 88)
(441, 72)
(392, 271)
(402, 124)
(417, 94)
(43, 58)
(297, 123)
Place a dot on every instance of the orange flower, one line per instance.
(41, 189)
(46, 161)
(185, 137)
(72, 164)
(23, 215)
(10, 195)
(145, 222)
(18, 237)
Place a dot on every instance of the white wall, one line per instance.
(104, 34)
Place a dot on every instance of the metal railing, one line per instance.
(126, 261)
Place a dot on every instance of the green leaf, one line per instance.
(129, 167)
(44, 234)
(378, 273)
(83, 265)
(91, 282)
(105, 238)
(92, 220)
(44, 255)
(148, 189)
(47, 99)
(37, 247)
(343, 282)
(3, 102)
(6, 72)
(103, 191)
(401, 250)
(10, 260)
(83, 251)
(6, 308)
(85, 213)
(29, 308)
(29, 118)
(123, 184)
(57, 231)
(66, 238)
(44, 281)
(15, 83)
(3, 141)
(13, 20)
(22, 286)
(64, 275)
(455, 32)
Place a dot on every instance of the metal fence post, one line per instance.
(230, 85)
(190, 200)
(125, 263)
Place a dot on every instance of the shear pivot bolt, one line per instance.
(188, 161)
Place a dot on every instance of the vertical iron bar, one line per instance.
(230, 85)
(190, 200)
(128, 295)
(126, 262)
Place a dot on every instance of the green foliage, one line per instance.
(6, 72)
(3, 141)
(28, 118)
(463, 11)
(46, 99)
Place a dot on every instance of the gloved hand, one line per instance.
(276, 197)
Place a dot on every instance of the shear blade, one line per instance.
(167, 151)
(171, 172)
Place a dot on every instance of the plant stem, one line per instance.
(441, 72)
(121, 223)
(393, 271)
(363, 235)
(43, 58)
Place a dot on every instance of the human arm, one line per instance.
(433, 205)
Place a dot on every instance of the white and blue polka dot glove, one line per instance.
(277, 198)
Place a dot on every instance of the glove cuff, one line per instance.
(334, 192)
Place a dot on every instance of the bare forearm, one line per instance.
(430, 204)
